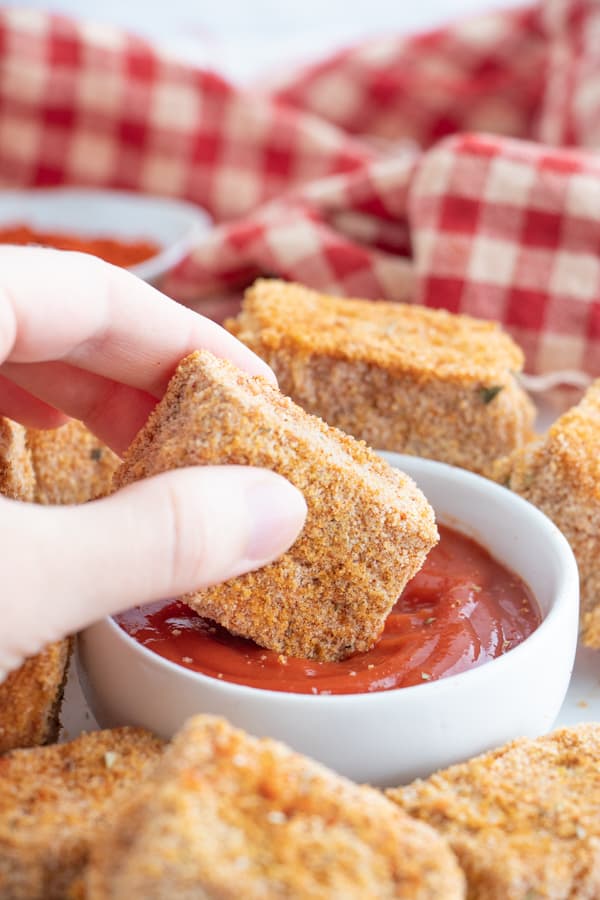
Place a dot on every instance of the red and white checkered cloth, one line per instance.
(456, 168)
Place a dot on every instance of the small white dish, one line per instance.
(390, 737)
(172, 224)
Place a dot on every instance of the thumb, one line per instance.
(65, 567)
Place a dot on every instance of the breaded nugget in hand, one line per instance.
(560, 474)
(31, 696)
(398, 376)
(368, 528)
(70, 464)
(54, 802)
(90, 341)
(524, 820)
(226, 816)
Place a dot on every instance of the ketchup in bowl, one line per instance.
(462, 609)
(114, 250)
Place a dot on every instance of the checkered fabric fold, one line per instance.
(455, 168)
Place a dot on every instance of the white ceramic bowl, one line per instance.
(174, 225)
(393, 736)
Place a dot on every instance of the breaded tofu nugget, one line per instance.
(70, 464)
(17, 479)
(227, 816)
(368, 528)
(400, 377)
(55, 800)
(560, 474)
(31, 696)
(524, 820)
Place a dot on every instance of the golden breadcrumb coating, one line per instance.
(226, 816)
(55, 800)
(30, 698)
(71, 465)
(524, 820)
(66, 465)
(560, 474)
(17, 479)
(400, 377)
(368, 528)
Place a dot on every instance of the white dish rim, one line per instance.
(170, 253)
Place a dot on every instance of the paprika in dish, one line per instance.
(462, 609)
(114, 250)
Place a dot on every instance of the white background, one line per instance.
(244, 38)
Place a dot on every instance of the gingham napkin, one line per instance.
(455, 169)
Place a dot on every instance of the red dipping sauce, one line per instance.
(462, 609)
(114, 250)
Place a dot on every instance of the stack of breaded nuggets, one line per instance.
(67, 465)
(56, 801)
(220, 814)
(29, 697)
(399, 377)
(226, 815)
(368, 528)
(524, 820)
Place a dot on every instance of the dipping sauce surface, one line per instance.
(462, 609)
(118, 251)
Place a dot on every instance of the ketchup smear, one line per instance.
(462, 609)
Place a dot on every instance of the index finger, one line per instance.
(77, 309)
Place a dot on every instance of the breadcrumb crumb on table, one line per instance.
(524, 820)
(368, 528)
(55, 801)
(560, 474)
(226, 815)
(400, 377)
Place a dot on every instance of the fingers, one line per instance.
(19, 405)
(73, 307)
(113, 412)
(157, 538)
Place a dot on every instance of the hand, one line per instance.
(84, 339)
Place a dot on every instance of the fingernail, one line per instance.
(277, 511)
